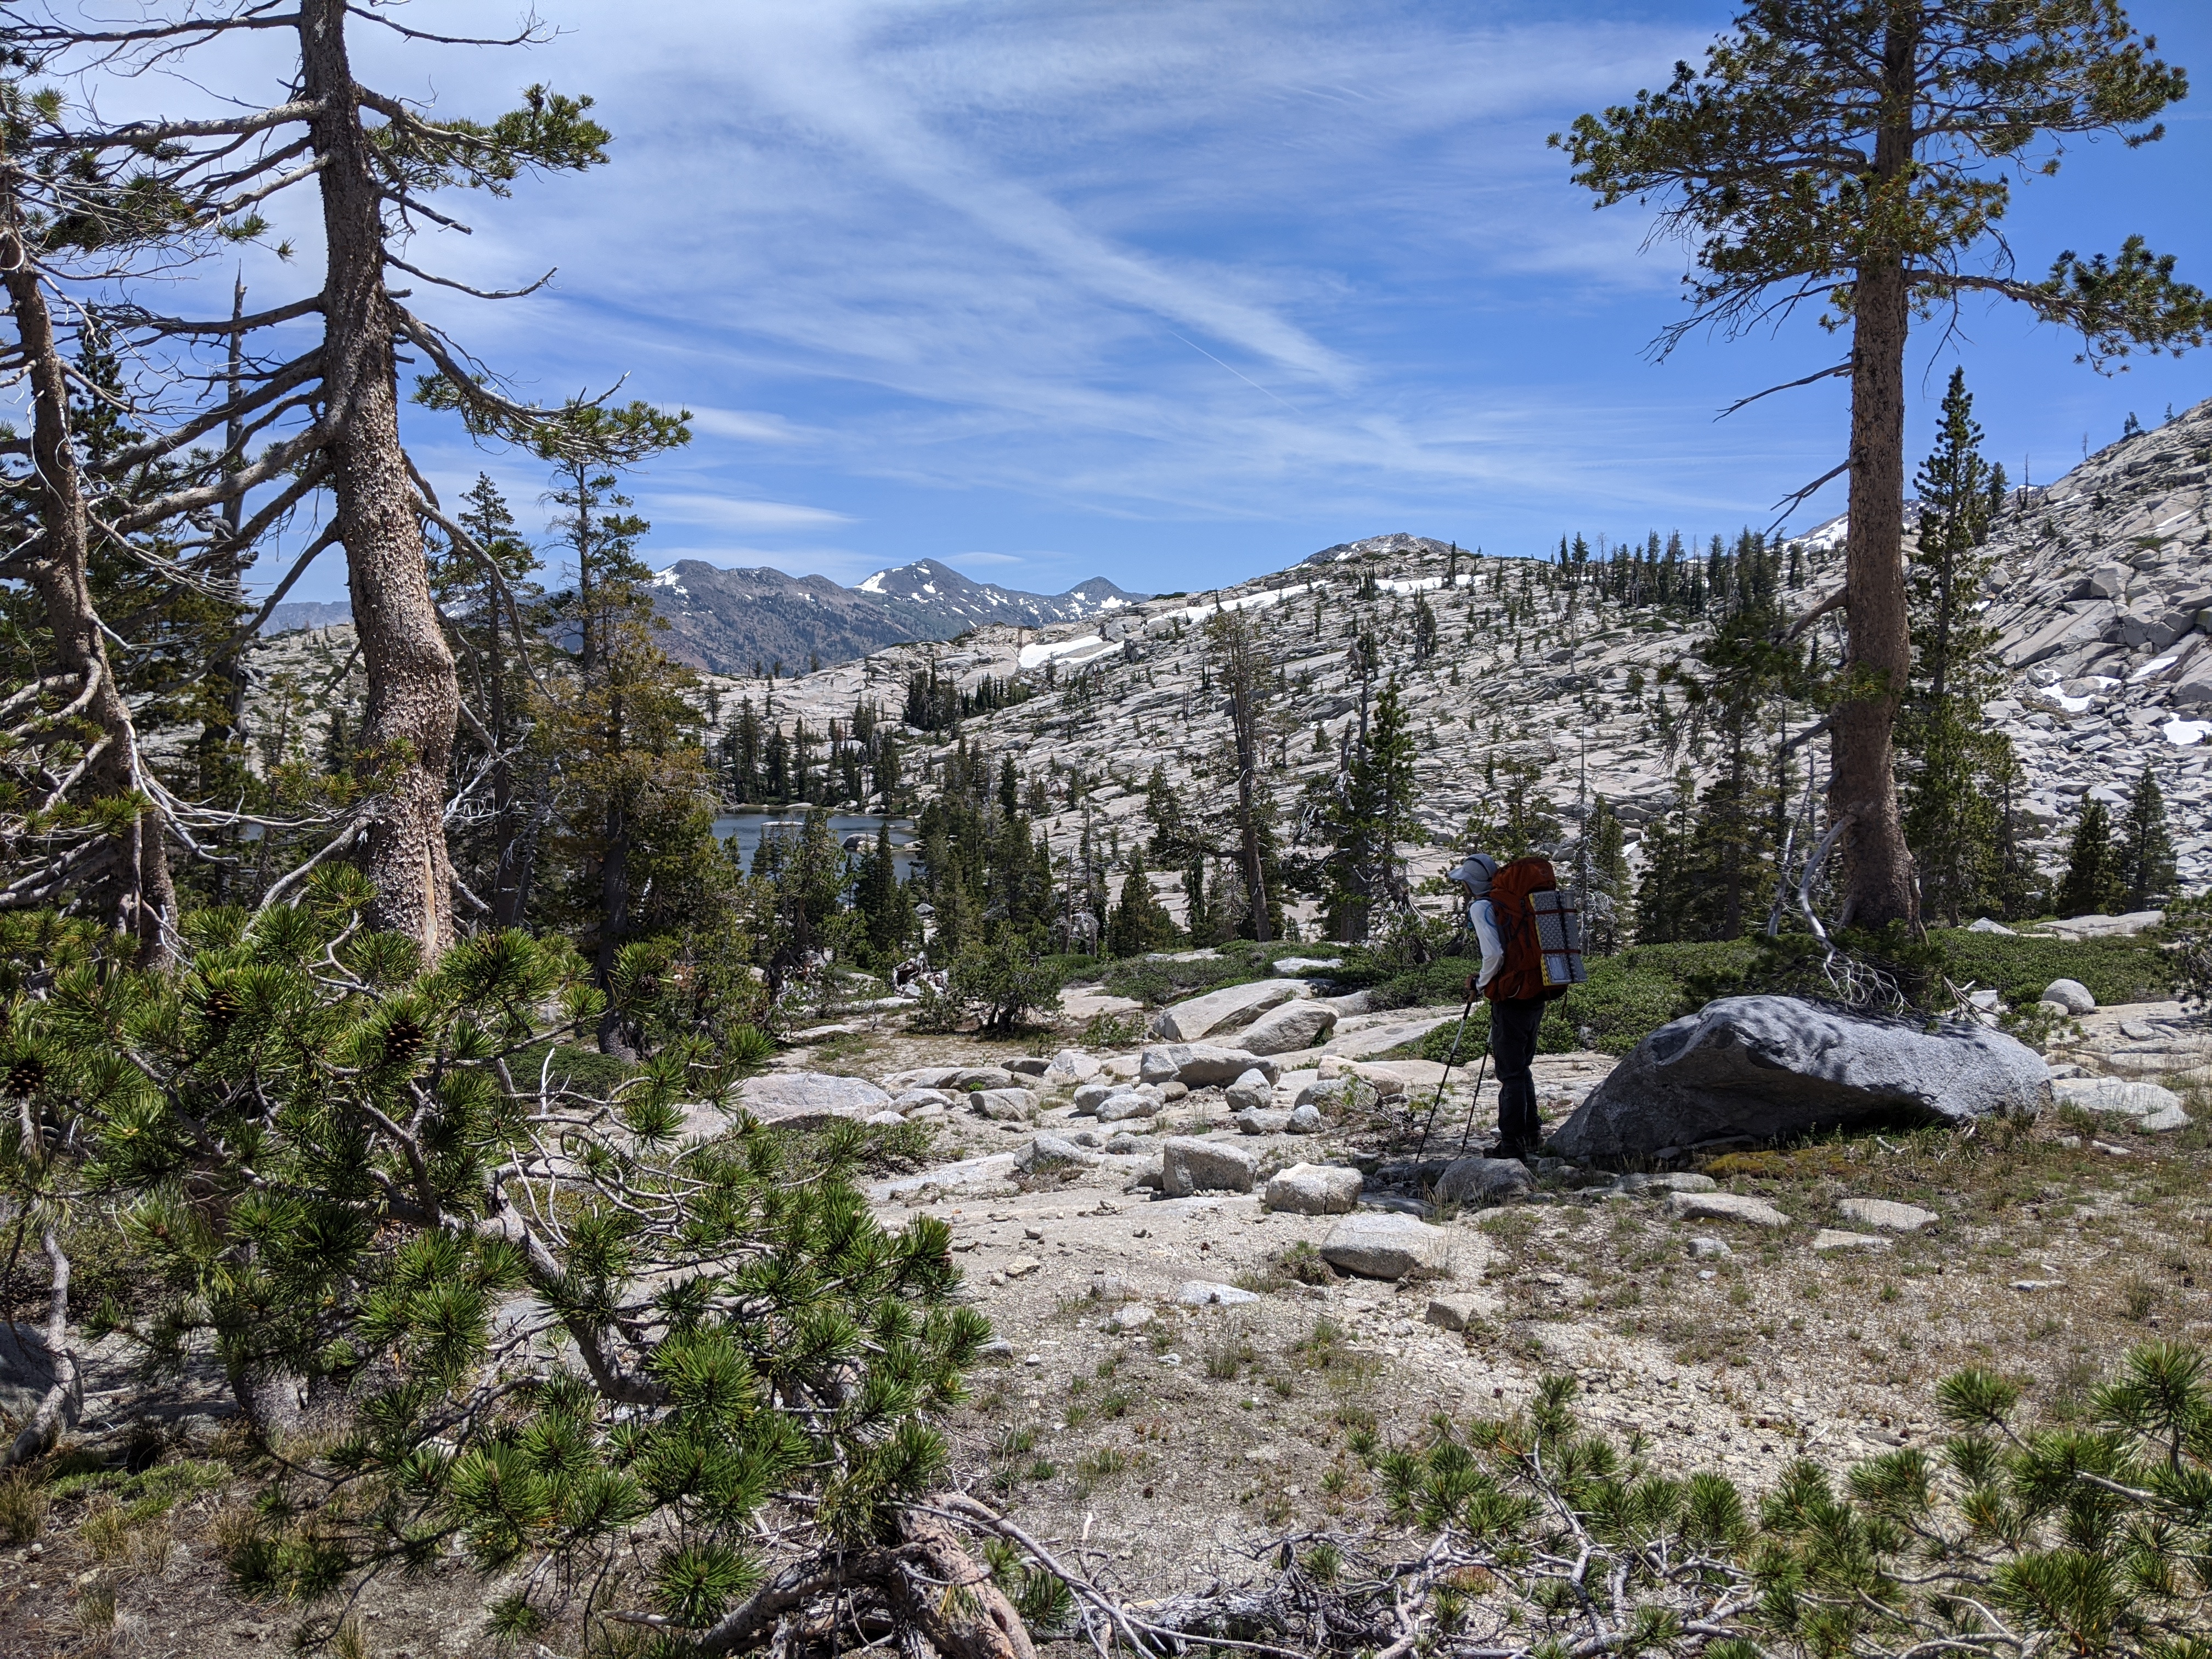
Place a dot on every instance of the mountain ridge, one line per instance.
(726, 619)
(2101, 596)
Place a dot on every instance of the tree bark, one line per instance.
(140, 897)
(64, 1397)
(414, 691)
(1862, 785)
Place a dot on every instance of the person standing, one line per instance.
(1513, 1019)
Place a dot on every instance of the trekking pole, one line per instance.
(1474, 1100)
(1449, 1061)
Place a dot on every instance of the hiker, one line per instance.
(1513, 1019)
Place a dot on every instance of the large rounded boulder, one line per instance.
(1768, 1069)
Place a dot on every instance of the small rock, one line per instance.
(2071, 995)
(1292, 1027)
(1483, 1180)
(1455, 1312)
(1291, 967)
(1070, 1067)
(1022, 1267)
(2039, 1284)
(1252, 1091)
(2161, 1122)
(1134, 1317)
(1126, 1144)
(1201, 1293)
(1126, 1104)
(1306, 1121)
(1252, 1122)
(1385, 1246)
(888, 1119)
(1199, 1064)
(1029, 1066)
(1342, 1091)
(997, 1348)
(1884, 1216)
(1704, 1248)
(1171, 1090)
(1314, 1189)
(1004, 1105)
(1724, 1207)
(1828, 1240)
(1089, 1094)
(1049, 1153)
(2115, 1094)
(966, 1078)
(1983, 925)
(1678, 1182)
(917, 1100)
(1190, 1165)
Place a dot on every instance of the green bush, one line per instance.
(2010, 1539)
(1001, 984)
(2115, 970)
(1157, 979)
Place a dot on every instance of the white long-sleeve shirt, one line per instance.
(1484, 921)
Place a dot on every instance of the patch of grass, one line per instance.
(23, 1504)
(149, 1493)
(1104, 1464)
(1230, 1351)
(2138, 1296)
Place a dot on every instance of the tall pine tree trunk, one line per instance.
(133, 885)
(1877, 867)
(414, 693)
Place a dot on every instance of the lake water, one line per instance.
(747, 827)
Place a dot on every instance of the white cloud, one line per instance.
(738, 514)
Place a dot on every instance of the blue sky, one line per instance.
(1178, 293)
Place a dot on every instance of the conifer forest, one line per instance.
(581, 1100)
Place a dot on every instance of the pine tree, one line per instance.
(1139, 923)
(497, 617)
(1867, 152)
(1609, 910)
(1950, 759)
(2091, 885)
(2144, 859)
(636, 830)
(1664, 891)
(1361, 812)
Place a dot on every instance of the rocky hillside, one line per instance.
(2103, 593)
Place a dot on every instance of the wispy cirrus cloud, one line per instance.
(1179, 288)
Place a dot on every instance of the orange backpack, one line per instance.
(1541, 933)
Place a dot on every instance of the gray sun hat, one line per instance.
(1475, 872)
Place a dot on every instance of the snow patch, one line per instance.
(874, 584)
(2185, 734)
(1036, 656)
(2151, 668)
(1243, 602)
